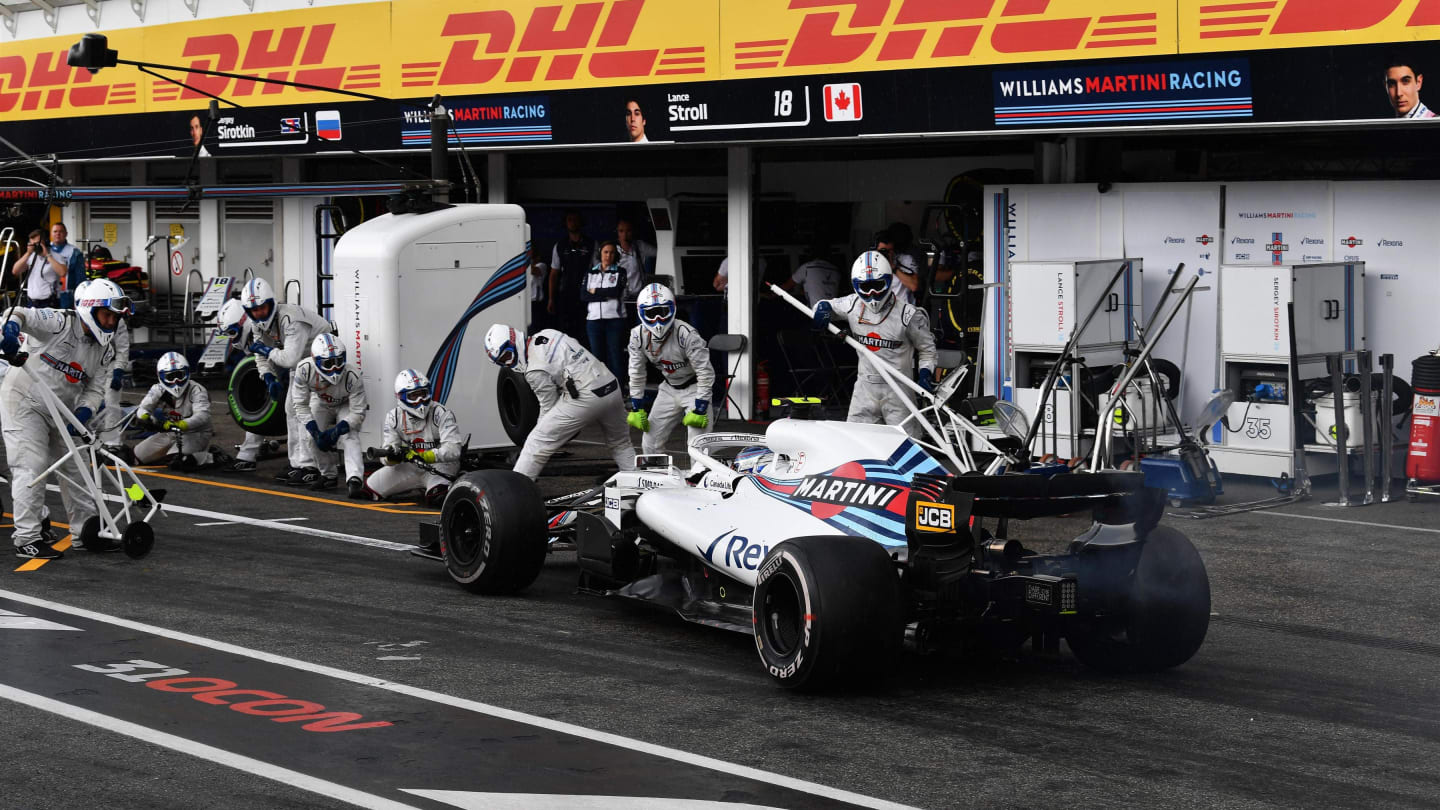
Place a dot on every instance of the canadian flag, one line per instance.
(842, 102)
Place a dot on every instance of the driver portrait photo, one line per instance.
(197, 135)
(1402, 87)
(634, 122)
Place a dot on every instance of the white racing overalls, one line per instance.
(895, 335)
(574, 390)
(312, 397)
(66, 360)
(438, 431)
(192, 407)
(683, 358)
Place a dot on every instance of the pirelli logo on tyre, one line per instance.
(934, 517)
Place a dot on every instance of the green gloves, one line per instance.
(696, 420)
(640, 420)
(427, 456)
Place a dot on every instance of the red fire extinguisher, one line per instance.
(1422, 465)
(762, 390)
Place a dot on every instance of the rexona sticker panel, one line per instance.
(1277, 223)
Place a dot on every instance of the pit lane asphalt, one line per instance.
(1316, 686)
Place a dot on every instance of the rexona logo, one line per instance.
(1204, 239)
(1241, 240)
(934, 517)
(846, 491)
(1351, 242)
(1174, 240)
(1309, 240)
(1390, 243)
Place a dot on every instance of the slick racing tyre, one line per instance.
(827, 611)
(492, 530)
(250, 403)
(1167, 616)
(518, 407)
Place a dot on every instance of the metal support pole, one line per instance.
(1367, 417)
(440, 150)
(1077, 390)
(1335, 364)
(1387, 428)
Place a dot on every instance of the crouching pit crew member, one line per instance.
(329, 400)
(574, 390)
(178, 408)
(892, 329)
(683, 357)
(417, 429)
(71, 353)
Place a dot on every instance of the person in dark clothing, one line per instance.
(570, 263)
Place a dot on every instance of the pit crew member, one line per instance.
(895, 331)
(71, 353)
(574, 390)
(417, 429)
(175, 404)
(683, 357)
(328, 398)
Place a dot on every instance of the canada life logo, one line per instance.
(842, 102)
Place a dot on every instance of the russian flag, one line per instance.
(327, 125)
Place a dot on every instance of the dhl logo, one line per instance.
(1231, 19)
(294, 53)
(880, 34)
(592, 45)
(44, 82)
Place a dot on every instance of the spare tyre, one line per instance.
(250, 402)
(518, 407)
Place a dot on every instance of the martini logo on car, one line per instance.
(846, 491)
(934, 517)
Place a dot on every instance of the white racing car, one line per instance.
(835, 544)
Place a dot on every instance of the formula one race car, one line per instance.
(837, 543)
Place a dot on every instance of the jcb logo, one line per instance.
(492, 45)
(934, 517)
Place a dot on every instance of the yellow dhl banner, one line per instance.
(416, 48)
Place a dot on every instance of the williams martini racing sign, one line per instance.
(1118, 93)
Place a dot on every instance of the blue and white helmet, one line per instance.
(656, 306)
(231, 320)
(329, 356)
(259, 302)
(506, 346)
(174, 371)
(871, 277)
(412, 391)
(95, 295)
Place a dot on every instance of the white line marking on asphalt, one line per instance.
(1368, 523)
(233, 523)
(470, 800)
(19, 621)
(202, 751)
(557, 726)
(271, 524)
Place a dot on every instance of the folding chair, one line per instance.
(804, 358)
(730, 344)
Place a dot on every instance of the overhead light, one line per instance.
(92, 53)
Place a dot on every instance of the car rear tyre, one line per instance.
(1168, 611)
(518, 407)
(250, 402)
(827, 611)
(492, 530)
